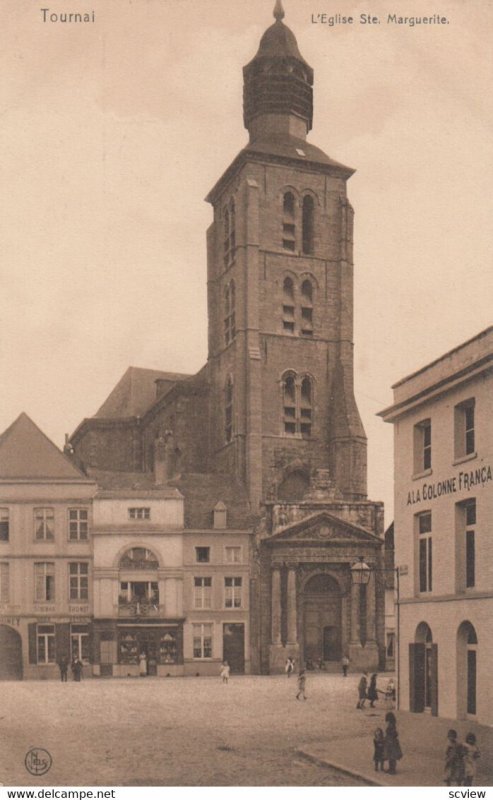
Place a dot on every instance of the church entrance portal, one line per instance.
(321, 620)
(11, 650)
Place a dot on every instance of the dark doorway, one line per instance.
(234, 646)
(332, 643)
(471, 681)
(11, 654)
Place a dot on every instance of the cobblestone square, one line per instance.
(183, 731)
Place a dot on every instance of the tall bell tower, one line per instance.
(280, 295)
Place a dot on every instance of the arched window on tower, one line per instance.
(306, 308)
(306, 407)
(289, 403)
(229, 238)
(288, 305)
(297, 398)
(228, 410)
(229, 312)
(307, 225)
(288, 222)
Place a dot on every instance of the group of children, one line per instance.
(386, 746)
(460, 760)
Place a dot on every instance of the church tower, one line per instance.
(280, 295)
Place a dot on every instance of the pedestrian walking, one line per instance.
(143, 665)
(301, 685)
(471, 755)
(289, 667)
(363, 683)
(453, 773)
(224, 672)
(63, 667)
(77, 667)
(378, 749)
(392, 747)
(372, 693)
(344, 665)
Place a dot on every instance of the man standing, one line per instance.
(63, 666)
(345, 665)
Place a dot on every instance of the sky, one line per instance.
(113, 132)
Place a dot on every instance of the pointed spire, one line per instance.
(278, 10)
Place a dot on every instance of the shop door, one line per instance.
(10, 654)
(148, 645)
(234, 646)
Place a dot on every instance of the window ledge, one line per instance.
(461, 459)
(424, 474)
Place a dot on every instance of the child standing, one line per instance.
(224, 671)
(301, 685)
(471, 755)
(378, 749)
(453, 773)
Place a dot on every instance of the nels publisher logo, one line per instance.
(37, 761)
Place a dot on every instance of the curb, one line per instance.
(352, 773)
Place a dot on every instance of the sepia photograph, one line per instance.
(246, 441)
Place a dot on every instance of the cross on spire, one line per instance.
(278, 10)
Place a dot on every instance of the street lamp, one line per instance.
(360, 576)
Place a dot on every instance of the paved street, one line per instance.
(177, 731)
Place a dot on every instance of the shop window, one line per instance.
(77, 524)
(78, 580)
(4, 582)
(202, 555)
(44, 524)
(168, 650)
(232, 592)
(202, 592)
(4, 524)
(44, 582)
(228, 410)
(423, 522)
(202, 640)
(422, 446)
(128, 648)
(308, 209)
(79, 643)
(288, 222)
(464, 420)
(45, 640)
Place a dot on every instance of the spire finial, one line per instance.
(278, 10)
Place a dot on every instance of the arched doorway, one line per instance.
(321, 619)
(467, 643)
(423, 671)
(11, 654)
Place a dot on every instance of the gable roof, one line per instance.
(136, 391)
(323, 526)
(27, 453)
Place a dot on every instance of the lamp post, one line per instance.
(360, 575)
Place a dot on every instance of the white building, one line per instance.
(443, 436)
